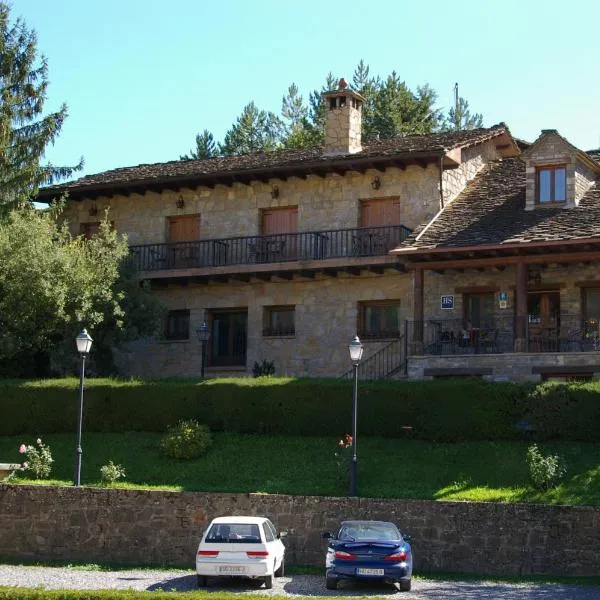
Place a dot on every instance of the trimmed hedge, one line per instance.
(442, 410)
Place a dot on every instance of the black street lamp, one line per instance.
(203, 333)
(356, 350)
(84, 344)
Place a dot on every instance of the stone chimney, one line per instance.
(344, 121)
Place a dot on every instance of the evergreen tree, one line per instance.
(24, 132)
(296, 126)
(255, 130)
(205, 147)
(460, 117)
(397, 111)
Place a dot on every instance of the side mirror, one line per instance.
(282, 534)
(407, 538)
(327, 535)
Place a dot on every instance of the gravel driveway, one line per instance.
(295, 585)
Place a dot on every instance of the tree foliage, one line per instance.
(53, 284)
(24, 132)
(459, 116)
(206, 147)
(390, 109)
(254, 130)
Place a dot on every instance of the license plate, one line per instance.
(232, 570)
(361, 571)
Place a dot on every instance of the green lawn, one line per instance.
(480, 471)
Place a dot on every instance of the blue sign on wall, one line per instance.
(447, 302)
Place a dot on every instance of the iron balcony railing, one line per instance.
(560, 333)
(264, 249)
(387, 362)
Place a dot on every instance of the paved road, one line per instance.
(295, 585)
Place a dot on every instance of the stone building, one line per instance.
(450, 254)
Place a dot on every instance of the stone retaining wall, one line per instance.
(149, 527)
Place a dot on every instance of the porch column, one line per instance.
(521, 308)
(417, 337)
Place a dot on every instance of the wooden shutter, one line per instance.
(380, 212)
(280, 220)
(184, 228)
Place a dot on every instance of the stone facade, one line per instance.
(163, 528)
(343, 123)
(326, 319)
(551, 149)
(473, 159)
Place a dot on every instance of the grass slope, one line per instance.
(478, 471)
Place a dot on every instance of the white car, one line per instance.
(241, 546)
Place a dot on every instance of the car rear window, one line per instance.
(234, 533)
(368, 531)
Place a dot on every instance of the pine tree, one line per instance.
(255, 130)
(460, 117)
(205, 147)
(24, 132)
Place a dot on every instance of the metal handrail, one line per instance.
(387, 361)
(265, 249)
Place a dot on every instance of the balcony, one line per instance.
(287, 251)
(565, 334)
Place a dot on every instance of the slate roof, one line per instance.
(491, 210)
(417, 145)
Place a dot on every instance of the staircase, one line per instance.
(387, 363)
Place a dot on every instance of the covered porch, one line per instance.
(518, 311)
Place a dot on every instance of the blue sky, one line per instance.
(142, 77)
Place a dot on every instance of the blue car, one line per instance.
(368, 550)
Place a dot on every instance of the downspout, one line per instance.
(441, 182)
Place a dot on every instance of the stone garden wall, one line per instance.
(148, 527)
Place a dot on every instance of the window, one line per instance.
(87, 230)
(379, 320)
(279, 321)
(269, 537)
(177, 326)
(551, 184)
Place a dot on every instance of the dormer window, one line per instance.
(552, 184)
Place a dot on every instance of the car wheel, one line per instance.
(405, 585)
(281, 571)
(202, 581)
(268, 581)
(331, 583)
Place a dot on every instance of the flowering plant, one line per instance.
(39, 459)
(111, 472)
(343, 454)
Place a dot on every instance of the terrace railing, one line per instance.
(264, 249)
(565, 333)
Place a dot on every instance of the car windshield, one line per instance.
(368, 531)
(240, 533)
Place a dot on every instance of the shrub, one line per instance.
(39, 459)
(188, 439)
(342, 456)
(265, 369)
(545, 471)
(111, 472)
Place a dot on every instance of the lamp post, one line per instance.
(84, 343)
(203, 333)
(356, 349)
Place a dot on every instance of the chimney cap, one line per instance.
(342, 84)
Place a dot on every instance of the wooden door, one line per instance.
(183, 228)
(183, 233)
(543, 321)
(277, 224)
(228, 340)
(380, 212)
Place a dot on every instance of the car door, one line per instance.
(274, 544)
